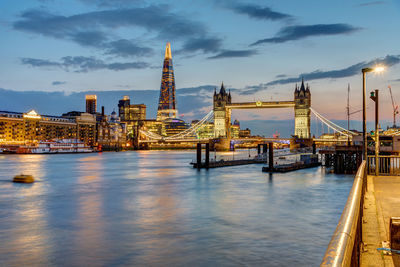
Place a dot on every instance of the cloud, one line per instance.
(124, 47)
(252, 89)
(291, 33)
(355, 69)
(258, 12)
(126, 66)
(58, 83)
(153, 18)
(374, 3)
(234, 53)
(93, 28)
(205, 44)
(89, 38)
(112, 3)
(83, 64)
(39, 62)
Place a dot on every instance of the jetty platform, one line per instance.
(227, 163)
(291, 167)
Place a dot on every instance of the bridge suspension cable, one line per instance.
(332, 125)
(192, 130)
(151, 135)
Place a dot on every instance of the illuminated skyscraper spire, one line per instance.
(168, 51)
(167, 105)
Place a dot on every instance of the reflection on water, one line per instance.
(152, 208)
(25, 215)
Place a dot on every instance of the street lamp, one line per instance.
(364, 71)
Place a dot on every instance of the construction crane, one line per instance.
(395, 107)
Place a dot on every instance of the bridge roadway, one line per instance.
(261, 104)
(277, 140)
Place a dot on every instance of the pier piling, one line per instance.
(207, 155)
(271, 156)
(198, 159)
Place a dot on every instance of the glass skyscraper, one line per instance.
(167, 103)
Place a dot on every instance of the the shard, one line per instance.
(167, 103)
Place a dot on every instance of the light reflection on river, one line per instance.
(152, 208)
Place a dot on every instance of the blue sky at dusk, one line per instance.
(260, 49)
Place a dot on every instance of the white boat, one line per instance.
(61, 146)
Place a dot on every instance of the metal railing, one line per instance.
(344, 247)
(388, 165)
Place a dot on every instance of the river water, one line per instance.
(150, 208)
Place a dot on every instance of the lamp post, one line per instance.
(364, 71)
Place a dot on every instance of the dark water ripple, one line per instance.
(151, 208)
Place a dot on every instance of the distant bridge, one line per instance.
(220, 116)
(190, 134)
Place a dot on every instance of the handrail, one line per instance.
(387, 164)
(340, 248)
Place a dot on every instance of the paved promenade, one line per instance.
(382, 201)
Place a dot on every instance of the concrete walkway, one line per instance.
(382, 201)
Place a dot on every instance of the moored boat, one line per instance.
(23, 178)
(56, 146)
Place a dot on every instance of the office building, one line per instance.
(167, 102)
(91, 104)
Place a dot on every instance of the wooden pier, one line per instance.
(199, 164)
(227, 163)
(343, 159)
(291, 167)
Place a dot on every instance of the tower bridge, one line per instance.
(223, 110)
(220, 117)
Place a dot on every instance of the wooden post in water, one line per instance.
(265, 147)
(271, 156)
(258, 149)
(198, 159)
(207, 155)
(314, 148)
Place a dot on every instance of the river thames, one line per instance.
(150, 208)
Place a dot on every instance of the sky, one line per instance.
(259, 49)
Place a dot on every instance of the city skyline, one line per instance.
(91, 45)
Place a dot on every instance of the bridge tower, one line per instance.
(222, 115)
(302, 113)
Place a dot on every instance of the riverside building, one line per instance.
(133, 116)
(17, 128)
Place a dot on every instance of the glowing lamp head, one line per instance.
(376, 69)
(379, 68)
